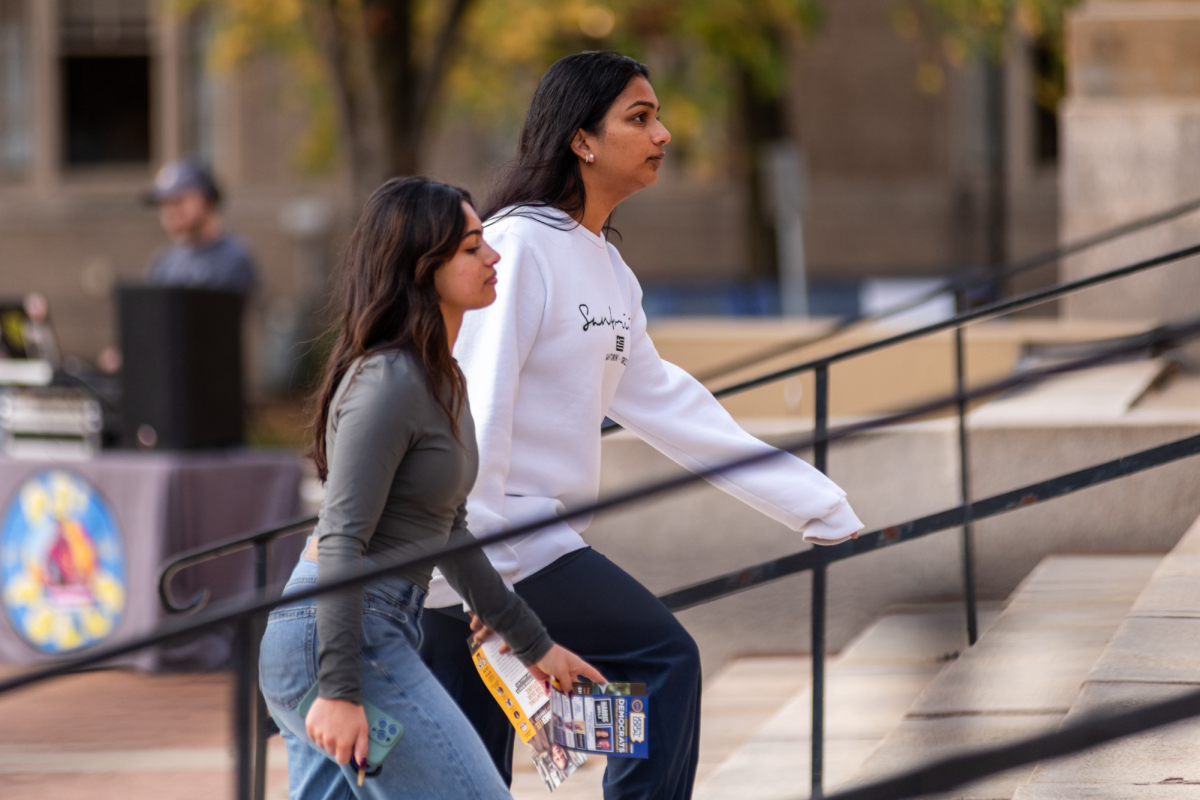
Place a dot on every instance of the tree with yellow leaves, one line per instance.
(955, 32)
(377, 72)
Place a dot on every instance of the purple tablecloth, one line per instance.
(97, 532)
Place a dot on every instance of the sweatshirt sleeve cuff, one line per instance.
(835, 527)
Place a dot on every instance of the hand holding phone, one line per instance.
(340, 728)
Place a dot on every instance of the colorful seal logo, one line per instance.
(62, 565)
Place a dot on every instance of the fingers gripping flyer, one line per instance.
(562, 727)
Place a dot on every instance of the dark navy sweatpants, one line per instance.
(593, 607)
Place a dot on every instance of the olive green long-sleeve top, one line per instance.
(397, 487)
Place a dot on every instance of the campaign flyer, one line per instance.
(527, 707)
(605, 718)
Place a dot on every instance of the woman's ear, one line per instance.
(581, 145)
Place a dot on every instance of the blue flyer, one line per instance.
(605, 718)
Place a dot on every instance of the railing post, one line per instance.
(820, 460)
(262, 563)
(245, 665)
(964, 475)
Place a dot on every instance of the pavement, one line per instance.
(117, 734)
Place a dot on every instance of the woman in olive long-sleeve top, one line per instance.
(395, 444)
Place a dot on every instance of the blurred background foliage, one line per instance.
(711, 59)
(376, 77)
(953, 33)
(703, 54)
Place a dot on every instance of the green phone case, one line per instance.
(385, 731)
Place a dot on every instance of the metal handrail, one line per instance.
(820, 558)
(992, 310)
(247, 616)
(191, 557)
(970, 278)
(745, 578)
(1074, 736)
(210, 552)
(1167, 335)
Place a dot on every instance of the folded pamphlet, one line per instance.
(563, 726)
(527, 706)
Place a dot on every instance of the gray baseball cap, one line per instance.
(178, 177)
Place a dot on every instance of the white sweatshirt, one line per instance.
(564, 346)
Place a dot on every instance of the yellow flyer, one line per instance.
(527, 707)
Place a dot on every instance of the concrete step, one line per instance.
(1023, 676)
(1154, 655)
(1100, 394)
(868, 688)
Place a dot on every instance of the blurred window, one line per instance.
(105, 80)
(14, 89)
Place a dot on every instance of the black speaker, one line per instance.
(181, 376)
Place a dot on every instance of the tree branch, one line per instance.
(431, 77)
(332, 40)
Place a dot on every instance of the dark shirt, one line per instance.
(397, 489)
(223, 264)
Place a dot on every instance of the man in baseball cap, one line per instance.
(201, 253)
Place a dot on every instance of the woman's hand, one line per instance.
(340, 728)
(483, 632)
(564, 666)
(559, 663)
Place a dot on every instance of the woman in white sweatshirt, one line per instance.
(564, 346)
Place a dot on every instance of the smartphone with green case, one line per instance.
(385, 731)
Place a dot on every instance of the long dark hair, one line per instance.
(575, 93)
(388, 301)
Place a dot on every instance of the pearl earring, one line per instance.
(591, 158)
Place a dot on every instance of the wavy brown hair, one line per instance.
(386, 295)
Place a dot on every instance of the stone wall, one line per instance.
(1131, 146)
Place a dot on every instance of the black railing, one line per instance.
(1072, 737)
(820, 367)
(260, 541)
(252, 725)
(961, 286)
(246, 615)
(817, 560)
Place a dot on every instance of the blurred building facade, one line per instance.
(1131, 128)
(95, 95)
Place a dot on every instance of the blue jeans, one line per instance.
(440, 755)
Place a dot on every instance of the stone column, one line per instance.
(46, 130)
(167, 109)
(1130, 147)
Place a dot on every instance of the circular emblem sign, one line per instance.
(62, 566)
